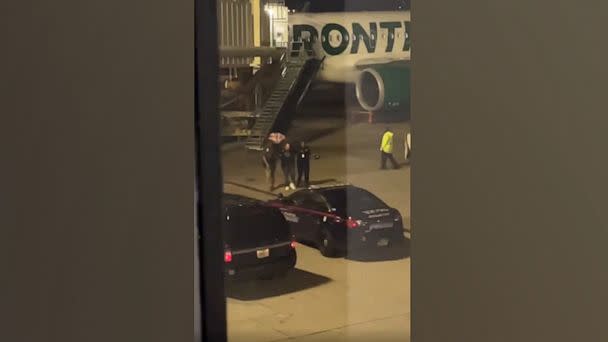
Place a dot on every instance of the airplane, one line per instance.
(368, 50)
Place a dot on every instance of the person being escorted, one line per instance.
(287, 161)
(303, 164)
(386, 149)
(408, 146)
(269, 161)
(270, 156)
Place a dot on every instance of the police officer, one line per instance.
(303, 163)
(408, 146)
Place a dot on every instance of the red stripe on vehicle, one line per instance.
(305, 210)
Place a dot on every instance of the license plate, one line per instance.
(382, 242)
(383, 225)
(263, 253)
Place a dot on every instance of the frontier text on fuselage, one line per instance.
(332, 33)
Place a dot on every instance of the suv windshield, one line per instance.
(254, 226)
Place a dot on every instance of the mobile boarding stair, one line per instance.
(298, 71)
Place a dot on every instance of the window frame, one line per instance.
(213, 318)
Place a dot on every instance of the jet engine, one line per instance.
(383, 87)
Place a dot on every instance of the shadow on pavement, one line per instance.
(296, 280)
(396, 252)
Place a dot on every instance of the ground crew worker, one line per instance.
(287, 161)
(386, 149)
(303, 163)
(407, 146)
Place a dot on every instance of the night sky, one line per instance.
(348, 5)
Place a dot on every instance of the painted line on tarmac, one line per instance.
(252, 188)
(336, 329)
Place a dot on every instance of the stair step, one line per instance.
(295, 68)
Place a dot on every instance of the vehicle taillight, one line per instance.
(227, 256)
(350, 223)
(293, 244)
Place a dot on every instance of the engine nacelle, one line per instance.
(384, 87)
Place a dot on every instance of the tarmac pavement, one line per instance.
(328, 299)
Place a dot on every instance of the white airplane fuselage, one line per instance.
(350, 41)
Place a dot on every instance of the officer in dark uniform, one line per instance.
(303, 163)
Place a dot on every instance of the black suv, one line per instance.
(257, 240)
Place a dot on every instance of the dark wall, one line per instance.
(509, 174)
(96, 177)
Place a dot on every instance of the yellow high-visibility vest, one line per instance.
(387, 142)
